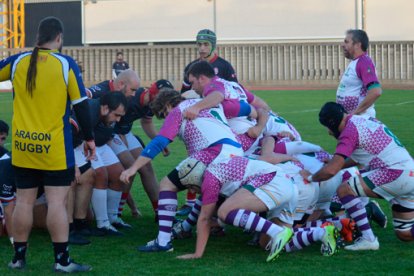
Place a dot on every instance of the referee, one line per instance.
(45, 83)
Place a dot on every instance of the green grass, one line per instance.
(230, 255)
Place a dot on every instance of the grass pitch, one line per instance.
(230, 255)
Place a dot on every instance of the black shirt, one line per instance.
(120, 66)
(103, 87)
(103, 133)
(222, 69)
(135, 110)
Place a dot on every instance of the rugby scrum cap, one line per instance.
(209, 36)
(157, 86)
(331, 116)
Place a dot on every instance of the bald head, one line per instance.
(127, 82)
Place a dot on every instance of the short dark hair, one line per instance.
(4, 127)
(201, 68)
(113, 100)
(359, 36)
(166, 96)
(119, 53)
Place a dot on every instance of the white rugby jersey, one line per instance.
(352, 89)
(208, 128)
(276, 124)
(372, 144)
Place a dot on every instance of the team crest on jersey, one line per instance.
(216, 71)
(411, 173)
(42, 58)
(117, 141)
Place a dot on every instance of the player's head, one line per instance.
(50, 31)
(355, 43)
(199, 75)
(113, 107)
(157, 86)
(331, 116)
(4, 132)
(119, 56)
(206, 42)
(127, 82)
(166, 100)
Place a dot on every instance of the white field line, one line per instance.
(314, 110)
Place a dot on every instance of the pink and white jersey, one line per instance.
(208, 128)
(276, 124)
(229, 89)
(232, 92)
(352, 89)
(372, 144)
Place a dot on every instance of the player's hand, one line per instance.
(305, 174)
(191, 113)
(254, 132)
(89, 149)
(286, 134)
(189, 256)
(127, 174)
(77, 175)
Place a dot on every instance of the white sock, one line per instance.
(114, 197)
(99, 198)
(364, 200)
(318, 233)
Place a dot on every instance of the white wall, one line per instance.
(128, 21)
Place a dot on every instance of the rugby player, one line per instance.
(42, 145)
(370, 143)
(206, 43)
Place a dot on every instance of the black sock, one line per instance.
(61, 250)
(71, 227)
(19, 251)
(80, 224)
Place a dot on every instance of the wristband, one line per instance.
(309, 178)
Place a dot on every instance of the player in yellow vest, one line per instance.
(45, 85)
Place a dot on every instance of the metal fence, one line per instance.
(254, 63)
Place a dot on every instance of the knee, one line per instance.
(167, 185)
(222, 213)
(343, 190)
(405, 236)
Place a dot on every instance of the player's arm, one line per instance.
(365, 70)
(77, 95)
(327, 171)
(5, 66)
(255, 101)
(350, 163)
(203, 231)
(148, 153)
(186, 83)
(259, 103)
(148, 127)
(373, 93)
(262, 117)
(211, 100)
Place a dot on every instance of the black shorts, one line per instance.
(32, 178)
